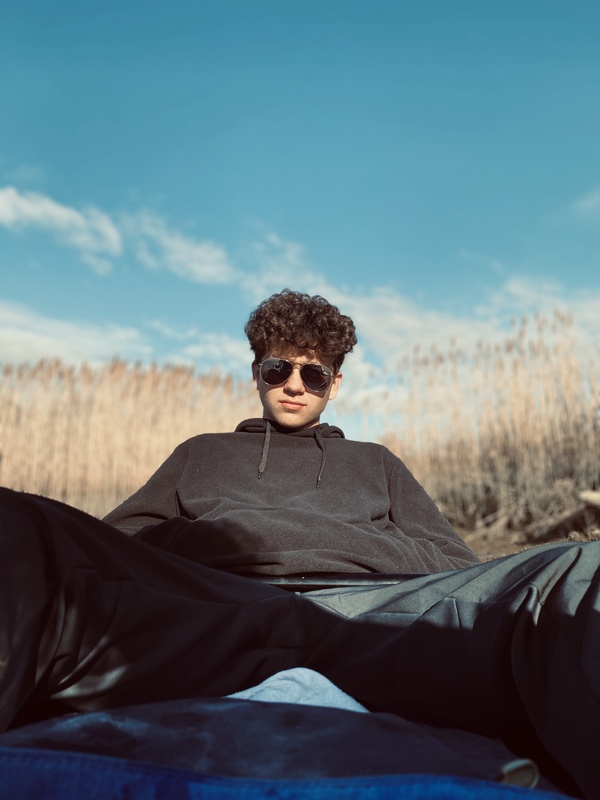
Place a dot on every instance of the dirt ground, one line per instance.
(568, 515)
(501, 543)
(490, 544)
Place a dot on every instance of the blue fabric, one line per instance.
(47, 775)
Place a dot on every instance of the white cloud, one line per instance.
(222, 351)
(159, 246)
(170, 331)
(524, 296)
(91, 232)
(205, 349)
(275, 264)
(390, 326)
(26, 335)
(98, 239)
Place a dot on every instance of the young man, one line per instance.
(94, 617)
(285, 494)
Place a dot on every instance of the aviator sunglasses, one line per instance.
(275, 371)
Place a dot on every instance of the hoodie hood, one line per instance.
(318, 432)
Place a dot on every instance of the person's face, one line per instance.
(290, 403)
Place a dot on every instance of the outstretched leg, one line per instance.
(91, 618)
(94, 619)
(498, 648)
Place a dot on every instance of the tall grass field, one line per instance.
(91, 437)
(495, 435)
(507, 434)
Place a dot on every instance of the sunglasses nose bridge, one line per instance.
(295, 378)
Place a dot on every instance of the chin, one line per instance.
(286, 422)
(290, 421)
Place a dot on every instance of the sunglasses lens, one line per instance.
(315, 378)
(275, 371)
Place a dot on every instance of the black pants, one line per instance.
(92, 619)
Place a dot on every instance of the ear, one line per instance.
(335, 385)
(255, 373)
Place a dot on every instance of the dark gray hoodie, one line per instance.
(270, 501)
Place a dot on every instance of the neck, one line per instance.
(286, 429)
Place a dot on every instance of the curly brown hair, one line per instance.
(301, 322)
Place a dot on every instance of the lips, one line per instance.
(289, 404)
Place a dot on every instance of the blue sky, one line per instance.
(432, 166)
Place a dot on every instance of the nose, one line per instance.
(294, 382)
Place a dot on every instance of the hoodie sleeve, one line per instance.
(156, 500)
(432, 545)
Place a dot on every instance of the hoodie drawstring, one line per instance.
(265, 451)
(321, 443)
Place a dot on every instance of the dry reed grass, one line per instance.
(499, 434)
(92, 436)
(493, 435)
